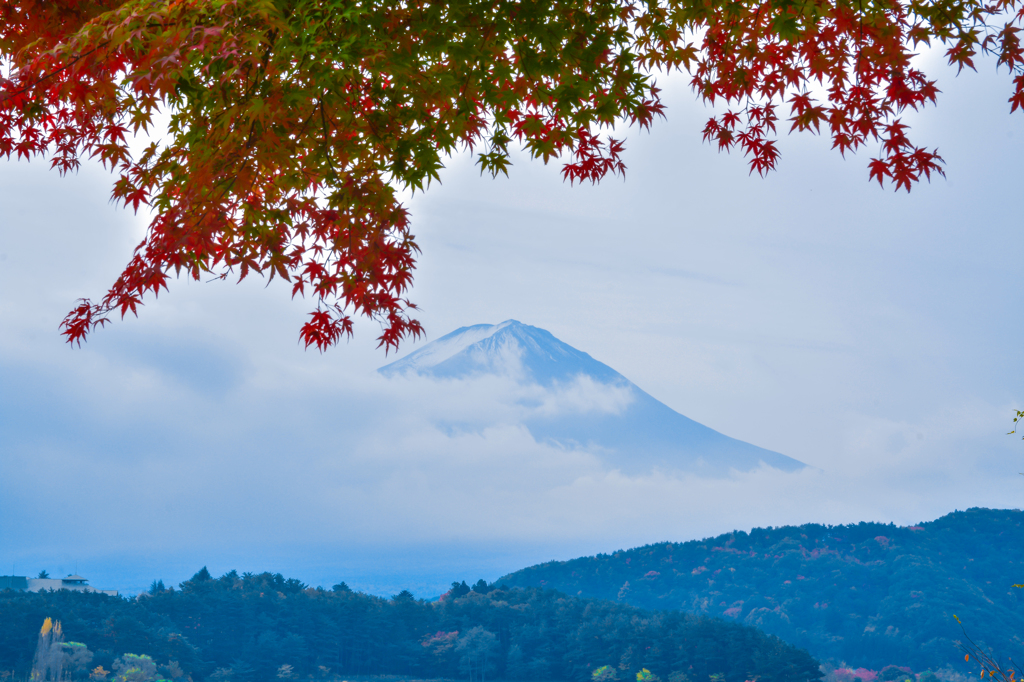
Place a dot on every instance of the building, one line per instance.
(75, 583)
(12, 582)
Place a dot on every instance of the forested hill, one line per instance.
(868, 594)
(253, 628)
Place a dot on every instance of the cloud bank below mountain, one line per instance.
(349, 475)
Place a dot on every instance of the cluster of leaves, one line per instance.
(870, 594)
(242, 628)
(990, 665)
(1016, 418)
(293, 123)
(860, 54)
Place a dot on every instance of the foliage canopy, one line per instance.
(293, 123)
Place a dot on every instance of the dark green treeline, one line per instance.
(248, 628)
(869, 594)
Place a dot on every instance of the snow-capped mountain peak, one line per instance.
(641, 434)
(510, 348)
(445, 348)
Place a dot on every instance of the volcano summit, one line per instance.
(630, 431)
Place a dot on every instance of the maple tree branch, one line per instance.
(67, 66)
(988, 664)
(407, 85)
(323, 120)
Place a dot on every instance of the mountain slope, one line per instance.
(641, 435)
(868, 594)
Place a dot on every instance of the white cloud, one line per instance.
(583, 395)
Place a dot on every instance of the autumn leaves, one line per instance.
(293, 124)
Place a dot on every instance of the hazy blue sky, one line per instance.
(876, 336)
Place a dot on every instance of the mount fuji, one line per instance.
(608, 415)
